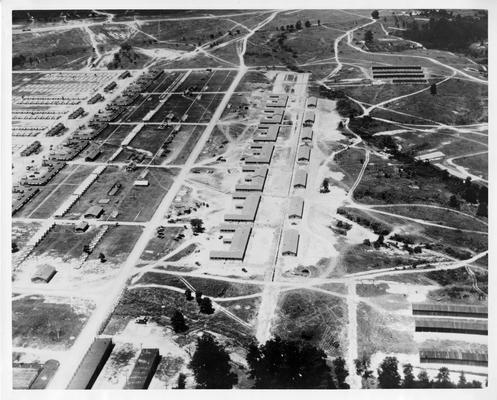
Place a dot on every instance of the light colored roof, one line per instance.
(274, 118)
(312, 101)
(94, 211)
(44, 272)
(451, 323)
(278, 100)
(450, 308)
(254, 180)
(296, 208)
(238, 243)
(266, 133)
(300, 178)
(304, 153)
(290, 242)
(260, 153)
(309, 116)
(307, 133)
(249, 208)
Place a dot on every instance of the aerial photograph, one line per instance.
(249, 199)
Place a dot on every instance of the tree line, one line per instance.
(448, 32)
(285, 364)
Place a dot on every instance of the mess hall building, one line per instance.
(260, 153)
(254, 180)
(248, 210)
(266, 133)
(238, 243)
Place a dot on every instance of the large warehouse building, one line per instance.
(450, 310)
(452, 325)
(91, 364)
(144, 369)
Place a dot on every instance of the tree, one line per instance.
(409, 381)
(307, 24)
(453, 201)
(388, 374)
(206, 306)
(298, 25)
(443, 379)
(423, 380)
(15, 248)
(462, 381)
(375, 14)
(341, 373)
(181, 381)
(433, 89)
(482, 210)
(198, 296)
(368, 37)
(319, 22)
(282, 364)
(211, 365)
(197, 225)
(178, 322)
(188, 295)
(102, 258)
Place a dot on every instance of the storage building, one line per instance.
(307, 133)
(300, 179)
(43, 274)
(296, 208)
(94, 212)
(309, 118)
(290, 244)
(312, 102)
(304, 153)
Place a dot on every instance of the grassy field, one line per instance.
(477, 165)
(216, 143)
(63, 241)
(53, 194)
(117, 243)
(133, 203)
(376, 333)
(457, 102)
(208, 287)
(22, 232)
(158, 248)
(69, 49)
(48, 323)
(316, 318)
(194, 134)
(360, 258)
(159, 304)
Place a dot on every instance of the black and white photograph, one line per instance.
(246, 198)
